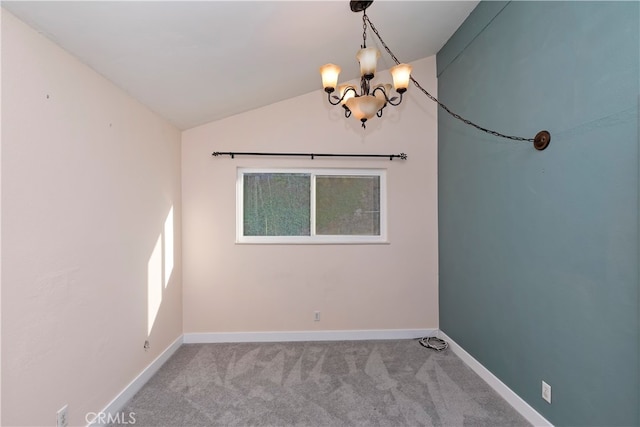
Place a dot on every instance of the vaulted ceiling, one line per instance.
(197, 61)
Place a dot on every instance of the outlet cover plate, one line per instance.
(546, 392)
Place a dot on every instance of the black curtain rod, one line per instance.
(401, 156)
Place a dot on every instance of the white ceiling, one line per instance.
(197, 61)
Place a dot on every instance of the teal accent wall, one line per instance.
(539, 252)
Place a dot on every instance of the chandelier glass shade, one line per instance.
(369, 101)
(364, 107)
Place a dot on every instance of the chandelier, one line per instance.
(372, 99)
(370, 102)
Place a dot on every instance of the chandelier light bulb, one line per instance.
(368, 59)
(345, 94)
(401, 74)
(330, 73)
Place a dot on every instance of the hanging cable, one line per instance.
(540, 142)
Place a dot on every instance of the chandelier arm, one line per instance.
(386, 97)
(397, 103)
(541, 140)
(339, 100)
(329, 96)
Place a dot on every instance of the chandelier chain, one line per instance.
(366, 19)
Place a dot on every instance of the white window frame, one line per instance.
(312, 238)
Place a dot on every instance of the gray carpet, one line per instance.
(353, 383)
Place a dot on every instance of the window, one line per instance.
(311, 206)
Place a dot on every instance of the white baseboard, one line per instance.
(116, 405)
(505, 392)
(352, 335)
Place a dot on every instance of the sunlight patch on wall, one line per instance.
(154, 284)
(168, 247)
(159, 269)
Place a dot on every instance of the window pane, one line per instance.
(348, 205)
(276, 204)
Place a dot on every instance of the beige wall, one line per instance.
(258, 288)
(89, 177)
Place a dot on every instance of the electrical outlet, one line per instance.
(63, 417)
(316, 316)
(546, 392)
(147, 345)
